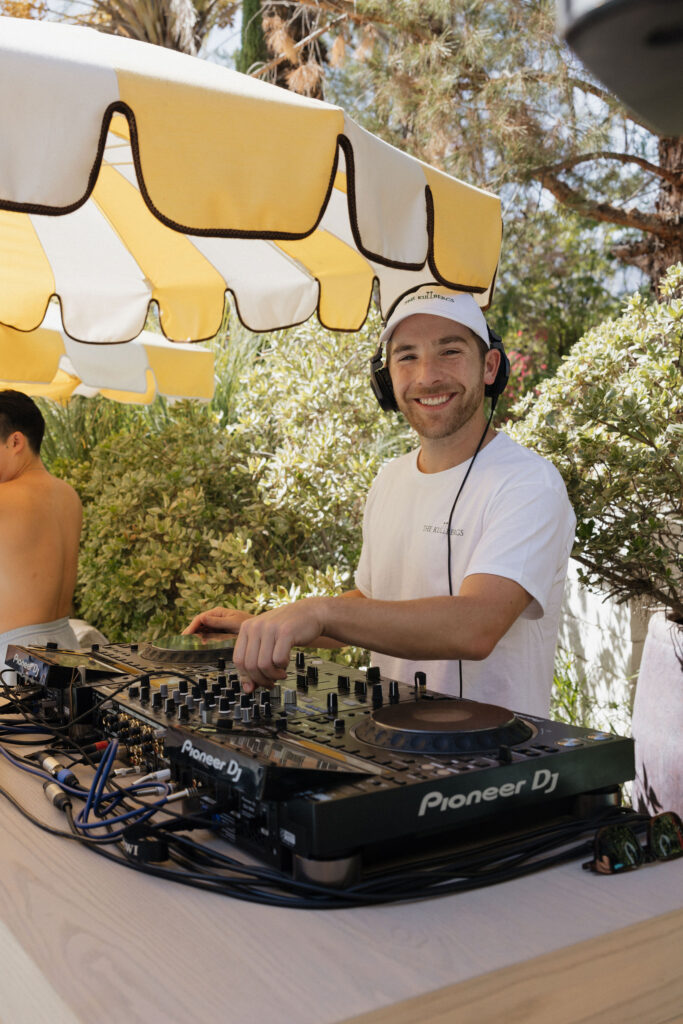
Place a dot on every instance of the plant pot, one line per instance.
(658, 720)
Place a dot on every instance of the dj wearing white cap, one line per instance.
(465, 540)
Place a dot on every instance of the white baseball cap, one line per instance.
(435, 301)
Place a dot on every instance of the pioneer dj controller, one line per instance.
(334, 769)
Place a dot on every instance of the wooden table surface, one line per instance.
(83, 941)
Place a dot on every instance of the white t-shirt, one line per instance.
(512, 519)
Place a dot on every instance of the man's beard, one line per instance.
(461, 412)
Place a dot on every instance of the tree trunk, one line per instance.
(654, 255)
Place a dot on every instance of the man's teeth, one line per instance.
(435, 400)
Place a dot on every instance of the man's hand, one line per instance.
(217, 620)
(265, 641)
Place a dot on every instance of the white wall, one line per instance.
(604, 641)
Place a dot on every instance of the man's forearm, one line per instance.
(429, 628)
(467, 626)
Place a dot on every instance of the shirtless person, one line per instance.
(40, 526)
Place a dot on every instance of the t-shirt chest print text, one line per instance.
(433, 528)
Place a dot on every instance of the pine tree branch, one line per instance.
(624, 158)
(297, 46)
(348, 8)
(606, 211)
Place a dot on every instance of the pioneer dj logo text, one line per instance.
(543, 780)
(27, 669)
(230, 768)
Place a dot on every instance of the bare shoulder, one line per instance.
(39, 488)
(65, 501)
(68, 493)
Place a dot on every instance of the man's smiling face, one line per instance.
(437, 369)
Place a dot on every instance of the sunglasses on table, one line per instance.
(617, 847)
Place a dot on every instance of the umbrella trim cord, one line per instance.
(342, 142)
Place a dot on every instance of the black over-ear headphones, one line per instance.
(380, 378)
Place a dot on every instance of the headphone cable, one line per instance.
(450, 517)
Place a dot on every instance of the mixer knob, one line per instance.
(177, 696)
(222, 679)
(224, 706)
(183, 686)
(267, 711)
(420, 680)
(377, 697)
(207, 716)
(373, 674)
(360, 688)
(393, 692)
(281, 723)
(246, 715)
(134, 648)
(221, 664)
(256, 712)
(202, 683)
(264, 697)
(301, 681)
(332, 704)
(300, 660)
(163, 690)
(234, 681)
(169, 706)
(189, 702)
(343, 684)
(312, 673)
(144, 694)
(197, 691)
(339, 725)
(156, 700)
(93, 647)
(275, 693)
(290, 697)
(134, 690)
(183, 713)
(245, 700)
(216, 688)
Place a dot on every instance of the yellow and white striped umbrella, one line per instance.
(132, 174)
(47, 363)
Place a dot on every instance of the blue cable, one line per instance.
(96, 800)
(39, 772)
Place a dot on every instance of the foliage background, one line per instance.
(251, 501)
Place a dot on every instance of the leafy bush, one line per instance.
(612, 421)
(190, 510)
(573, 699)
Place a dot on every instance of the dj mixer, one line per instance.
(335, 770)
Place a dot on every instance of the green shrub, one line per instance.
(611, 420)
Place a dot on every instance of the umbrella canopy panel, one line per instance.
(47, 363)
(132, 174)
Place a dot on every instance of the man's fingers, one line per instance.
(282, 649)
(253, 656)
(222, 620)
